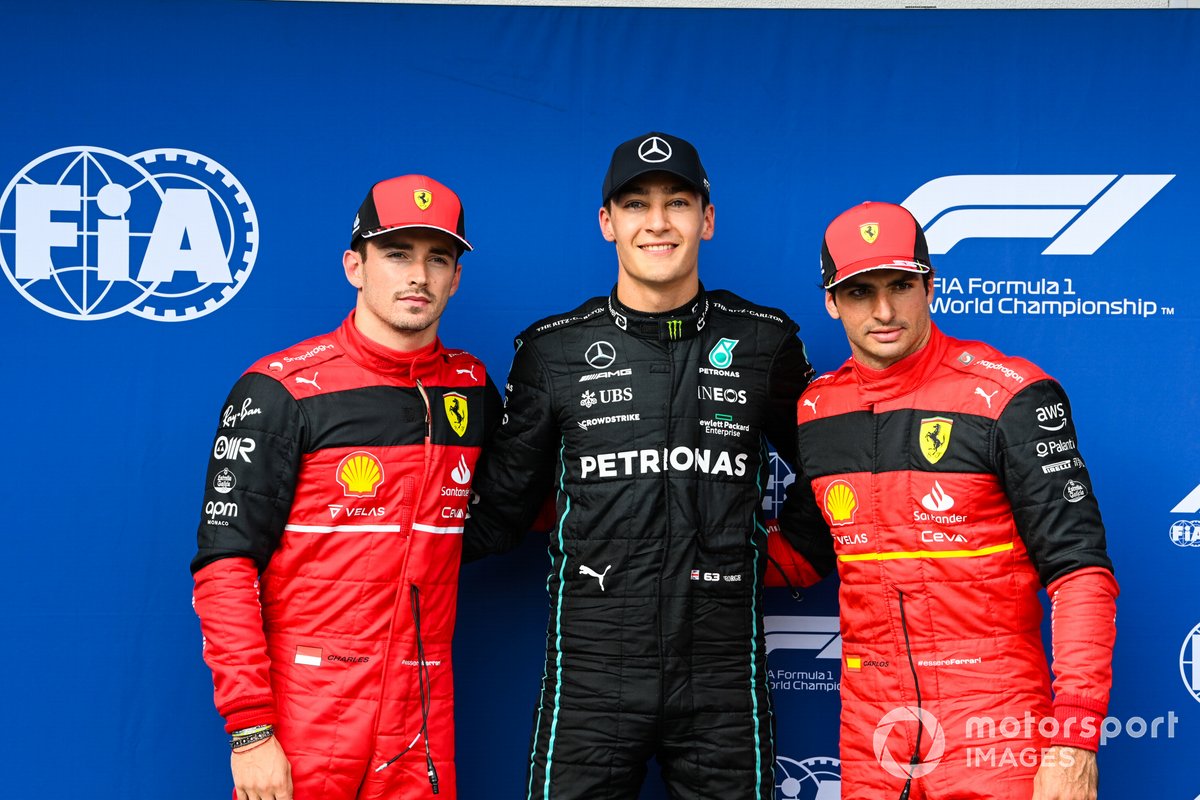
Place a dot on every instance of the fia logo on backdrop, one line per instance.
(89, 234)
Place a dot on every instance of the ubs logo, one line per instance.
(88, 234)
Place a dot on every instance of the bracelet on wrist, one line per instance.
(259, 734)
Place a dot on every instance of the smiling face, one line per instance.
(657, 222)
(885, 314)
(405, 279)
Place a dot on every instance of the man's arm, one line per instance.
(515, 472)
(1059, 520)
(248, 492)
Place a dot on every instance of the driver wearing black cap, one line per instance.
(648, 410)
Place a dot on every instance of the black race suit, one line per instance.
(653, 431)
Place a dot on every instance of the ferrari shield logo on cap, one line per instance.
(935, 438)
(869, 232)
(423, 198)
(456, 411)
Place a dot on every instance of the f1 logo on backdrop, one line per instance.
(804, 633)
(1079, 212)
(88, 234)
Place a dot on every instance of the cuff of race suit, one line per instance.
(786, 567)
(256, 711)
(1079, 719)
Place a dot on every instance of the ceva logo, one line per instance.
(1079, 212)
(88, 234)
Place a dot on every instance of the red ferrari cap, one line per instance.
(872, 236)
(410, 201)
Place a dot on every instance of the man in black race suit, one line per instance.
(648, 410)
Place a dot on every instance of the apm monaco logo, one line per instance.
(1079, 212)
(88, 234)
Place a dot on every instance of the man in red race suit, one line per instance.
(945, 481)
(329, 546)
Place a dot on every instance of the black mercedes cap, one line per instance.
(654, 152)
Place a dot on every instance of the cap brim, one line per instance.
(902, 264)
(654, 168)
(451, 234)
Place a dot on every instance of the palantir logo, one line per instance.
(88, 233)
(818, 778)
(1080, 212)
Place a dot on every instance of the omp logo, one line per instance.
(1080, 212)
(88, 234)
(1189, 504)
(804, 633)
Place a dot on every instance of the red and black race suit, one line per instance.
(950, 488)
(333, 512)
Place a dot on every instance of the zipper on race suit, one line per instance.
(916, 756)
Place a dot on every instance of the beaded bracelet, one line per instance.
(258, 736)
(251, 747)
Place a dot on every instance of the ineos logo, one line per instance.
(601, 354)
(654, 150)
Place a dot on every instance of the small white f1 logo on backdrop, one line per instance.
(1080, 212)
(804, 633)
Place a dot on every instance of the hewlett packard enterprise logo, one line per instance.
(88, 234)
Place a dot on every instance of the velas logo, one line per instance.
(456, 411)
(360, 474)
(935, 437)
(89, 234)
(841, 502)
(1079, 212)
(721, 356)
(910, 717)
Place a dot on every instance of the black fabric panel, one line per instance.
(891, 442)
(356, 417)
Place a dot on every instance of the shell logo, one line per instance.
(360, 473)
(841, 501)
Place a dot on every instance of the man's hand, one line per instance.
(262, 772)
(1067, 773)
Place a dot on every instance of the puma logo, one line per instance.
(586, 570)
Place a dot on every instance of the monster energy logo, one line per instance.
(674, 328)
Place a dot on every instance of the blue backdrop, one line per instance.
(1051, 156)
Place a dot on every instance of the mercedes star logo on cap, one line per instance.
(654, 150)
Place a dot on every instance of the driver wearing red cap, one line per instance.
(945, 481)
(327, 568)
